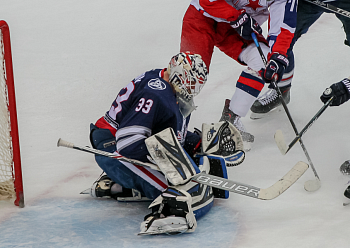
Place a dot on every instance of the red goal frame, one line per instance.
(16, 167)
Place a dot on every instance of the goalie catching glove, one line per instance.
(223, 140)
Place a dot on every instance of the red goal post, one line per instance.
(11, 184)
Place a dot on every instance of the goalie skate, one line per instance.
(104, 187)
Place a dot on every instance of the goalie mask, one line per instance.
(188, 74)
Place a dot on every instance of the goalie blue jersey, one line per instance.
(146, 106)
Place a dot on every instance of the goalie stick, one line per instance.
(330, 7)
(244, 189)
(279, 138)
(217, 182)
(310, 185)
(106, 154)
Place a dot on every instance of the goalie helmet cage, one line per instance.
(10, 160)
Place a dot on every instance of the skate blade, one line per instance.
(257, 116)
(175, 231)
(133, 199)
(85, 192)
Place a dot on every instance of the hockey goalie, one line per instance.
(148, 122)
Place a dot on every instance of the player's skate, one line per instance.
(345, 168)
(268, 102)
(105, 187)
(228, 115)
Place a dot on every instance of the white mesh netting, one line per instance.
(6, 161)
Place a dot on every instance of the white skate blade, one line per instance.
(170, 225)
(86, 192)
(280, 142)
(173, 231)
(257, 116)
(312, 185)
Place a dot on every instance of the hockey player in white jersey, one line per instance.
(308, 13)
(148, 121)
(228, 25)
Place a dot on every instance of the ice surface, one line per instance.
(70, 60)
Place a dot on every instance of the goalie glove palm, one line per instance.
(223, 140)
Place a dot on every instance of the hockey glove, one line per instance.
(275, 68)
(245, 25)
(340, 91)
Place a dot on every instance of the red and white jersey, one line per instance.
(282, 15)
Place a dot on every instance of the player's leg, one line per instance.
(344, 4)
(308, 13)
(248, 85)
(148, 182)
(270, 100)
(198, 34)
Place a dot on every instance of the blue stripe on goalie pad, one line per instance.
(218, 168)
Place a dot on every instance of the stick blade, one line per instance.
(285, 182)
(312, 185)
(280, 142)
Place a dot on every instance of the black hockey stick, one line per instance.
(330, 7)
(217, 182)
(279, 138)
(310, 185)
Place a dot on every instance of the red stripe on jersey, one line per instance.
(151, 176)
(288, 78)
(102, 123)
(282, 42)
(251, 83)
(219, 9)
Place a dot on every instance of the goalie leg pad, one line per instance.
(172, 159)
(172, 214)
(177, 209)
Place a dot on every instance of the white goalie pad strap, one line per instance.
(169, 155)
(165, 224)
(223, 140)
(190, 218)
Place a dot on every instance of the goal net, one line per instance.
(10, 163)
